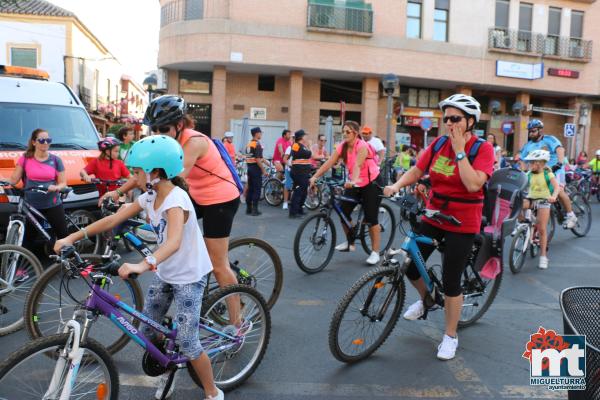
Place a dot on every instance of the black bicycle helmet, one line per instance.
(165, 110)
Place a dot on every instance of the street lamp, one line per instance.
(389, 83)
(150, 84)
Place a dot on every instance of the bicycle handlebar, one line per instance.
(435, 214)
(99, 181)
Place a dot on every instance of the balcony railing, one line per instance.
(354, 17)
(502, 39)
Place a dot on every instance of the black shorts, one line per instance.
(217, 219)
(370, 198)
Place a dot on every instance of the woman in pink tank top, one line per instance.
(212, 188)
(364, 184)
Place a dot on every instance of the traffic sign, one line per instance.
(508, 127)
(569, 130)
(426, 124)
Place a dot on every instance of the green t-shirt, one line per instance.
(124, 150)
(402, 161)
(595, 165)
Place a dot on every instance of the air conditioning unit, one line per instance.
(501, 40)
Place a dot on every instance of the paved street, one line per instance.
(298, 364)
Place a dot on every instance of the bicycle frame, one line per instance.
(335, 205)
(412, 253)
(28, 212)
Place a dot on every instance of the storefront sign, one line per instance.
(519, 70)
(564, 73)
(258, 113)
(479, 132)
(416, 121)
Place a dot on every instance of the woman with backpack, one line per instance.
(458, 176)
(37, 167)
(364, 183)
(212, 187)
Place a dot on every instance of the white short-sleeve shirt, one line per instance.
(190, 263)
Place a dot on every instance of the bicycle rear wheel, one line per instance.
(27, 373)
(256, 264)
(518, 249)
(314, 243)
(19, 271)
(478, 295)
(83, 218)
(387, 222)
(582, 210)
(48, 307)
(234, 361)
(273, 189)
(366, 315)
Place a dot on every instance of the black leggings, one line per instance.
(56, 219)
(457, 247)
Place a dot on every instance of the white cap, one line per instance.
(228, 134)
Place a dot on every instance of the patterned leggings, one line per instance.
(188, 304)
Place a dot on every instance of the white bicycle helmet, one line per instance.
(597, 153)
(463, 102)
(538, 155)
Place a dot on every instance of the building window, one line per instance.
(440, 20)
(23, 57)
(575, 46)
(413, 19)
(194, 9)
(266, 83)
(552, 40)
(423, 98)
(195, 82)
(335, 91)
(524, 42)
(169, 13)
(502, 7)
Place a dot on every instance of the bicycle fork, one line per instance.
(68, 359)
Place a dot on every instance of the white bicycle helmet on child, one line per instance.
(538, 155)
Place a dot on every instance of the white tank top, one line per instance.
(190, 263)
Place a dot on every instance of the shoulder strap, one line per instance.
(475, 149)
(437, 145)
(548, 181)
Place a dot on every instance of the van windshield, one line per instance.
(69, 127)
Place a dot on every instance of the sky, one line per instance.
(127, 28)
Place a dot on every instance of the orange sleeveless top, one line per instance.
(210, 181)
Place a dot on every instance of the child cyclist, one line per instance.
(543, 190)
(181, 261)
(107, 166)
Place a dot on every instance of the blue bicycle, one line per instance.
(73, 365)
(368, 312)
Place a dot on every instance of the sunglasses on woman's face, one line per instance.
(346, 131)
(44, 140)
(453, 118)
(161, 129)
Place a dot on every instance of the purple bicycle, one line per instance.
(72, 364)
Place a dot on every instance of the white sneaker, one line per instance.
(345, 247)
(373, 258)
(415, 311)
(285, 206)
(219, 396)
(571, 221)
(543, 262)
(447, 349)
(161, 386)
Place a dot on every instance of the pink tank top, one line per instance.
(369, 170)
(210, 181)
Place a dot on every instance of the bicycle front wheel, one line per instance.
(314, 243)
(19, 271)
(28, 373)
(387, 224)
(273, 190)
(234, 360)
(256, 264)
(49, 307)
(478, 295)
(582, 210)
(14, 234)
(366, 315)
(518, 249)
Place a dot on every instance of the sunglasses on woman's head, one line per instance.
(161, 129)
(44, 140)
(453, 118)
